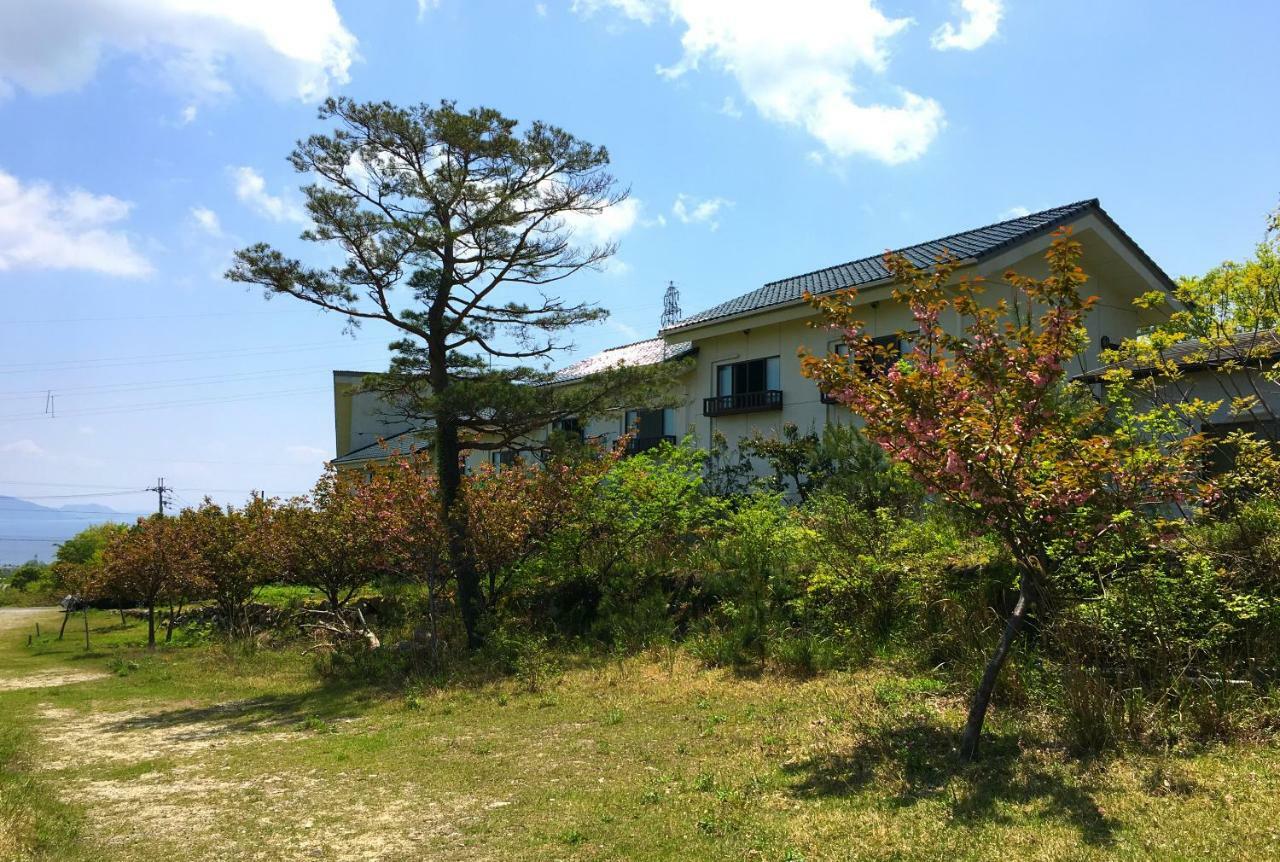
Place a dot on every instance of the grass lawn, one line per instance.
(205, 752)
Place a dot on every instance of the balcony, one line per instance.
(742, 402)
(636, 445)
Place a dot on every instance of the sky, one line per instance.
(145, 140)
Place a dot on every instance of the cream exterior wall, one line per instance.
(1213, 386)
(1117, 276)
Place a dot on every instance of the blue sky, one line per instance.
(144, 141)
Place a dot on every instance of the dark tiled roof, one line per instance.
(1252, 348)
(648, 352)
(976, 243)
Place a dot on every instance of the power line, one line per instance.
(64, 511)
(139, 386)
(162, 405)
(64, 485)
(166, 358)
(131, 317)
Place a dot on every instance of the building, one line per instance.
(746, 375)
(1221, 370)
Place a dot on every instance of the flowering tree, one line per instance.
(513, 511)
(331, 540)
(399, 501)
(234, 552)
(984, 418)
(152, 561)
(78, 564)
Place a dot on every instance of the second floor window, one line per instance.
(754, 375)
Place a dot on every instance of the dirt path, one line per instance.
(16, 621)
(25, 618)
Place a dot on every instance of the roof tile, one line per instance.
(975, 243)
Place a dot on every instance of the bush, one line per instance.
(31, 576)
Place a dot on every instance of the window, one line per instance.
(1221, 456)
(569, 427)
(503, 457)
(755, 375)
(839, 348)
(886, 351)
(893, 346)
(743, 387)
(650, 427)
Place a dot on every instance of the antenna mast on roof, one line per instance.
(670, 306)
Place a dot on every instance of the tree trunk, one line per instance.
(982, 697)
(449, 472)
(151, 624)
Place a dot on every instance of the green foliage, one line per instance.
(753, 564)
(34, 823)
(86, 546)
(31, 576)
(840, 460)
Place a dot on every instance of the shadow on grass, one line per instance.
(324, 704)
(916, 760)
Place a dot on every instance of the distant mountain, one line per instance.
(29, 530)
(88, 507)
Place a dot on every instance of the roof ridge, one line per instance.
(621, 346)
(941, 239)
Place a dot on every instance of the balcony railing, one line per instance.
(742, 402)
(636, 445)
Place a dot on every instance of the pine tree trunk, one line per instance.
(982, 697)
(449, 472)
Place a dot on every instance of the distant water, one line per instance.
(31, 531)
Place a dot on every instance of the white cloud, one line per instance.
(541, 9)
(425, 6)
(1014, 212)
(606, 226)
(251, 189)
(292, 48)
(644, 11)
(189, 114)
(797, 65)
(207, 219)
(980, 24)
(25, 447)
(691, 210)
(730, 108)
(42, 228)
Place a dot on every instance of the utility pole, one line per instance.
(162, 494)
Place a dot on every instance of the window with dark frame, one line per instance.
(1220, 457)
(650, 428)
(896, 346)
(744, 387)
(569, 426)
